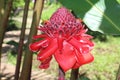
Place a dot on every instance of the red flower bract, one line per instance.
(65, 38)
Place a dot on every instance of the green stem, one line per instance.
(74, 74)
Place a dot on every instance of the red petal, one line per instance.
(86, 41)
(45, 64)
(37, 45)
(66, 57)
(45, 53)
(77, 65)
(84, 58)
(60, 42)
(39, 36)
(80, 46)
(83, 55)
(76, 44)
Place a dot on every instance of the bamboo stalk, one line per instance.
(21, 41)
(27, 64)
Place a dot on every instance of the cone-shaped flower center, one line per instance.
(62, 23)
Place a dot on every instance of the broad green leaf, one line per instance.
(98, 15)
(118, 1)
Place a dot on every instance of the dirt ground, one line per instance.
(8, 69)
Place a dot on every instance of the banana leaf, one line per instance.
(98, 15)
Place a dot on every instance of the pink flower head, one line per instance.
(65, 38)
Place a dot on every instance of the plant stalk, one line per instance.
(27, 64)
(21, 41)
(4, 18)
(74, 74)
(61, 74)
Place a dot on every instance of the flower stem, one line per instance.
(74, 74)
(61, 74)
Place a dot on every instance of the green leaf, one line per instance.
(118, 1)
(98, 15)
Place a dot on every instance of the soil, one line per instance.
(8, 69)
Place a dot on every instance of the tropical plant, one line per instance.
(98, 15)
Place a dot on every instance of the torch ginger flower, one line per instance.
(65, 38)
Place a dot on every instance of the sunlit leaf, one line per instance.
(98, 15)
(118, 1)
